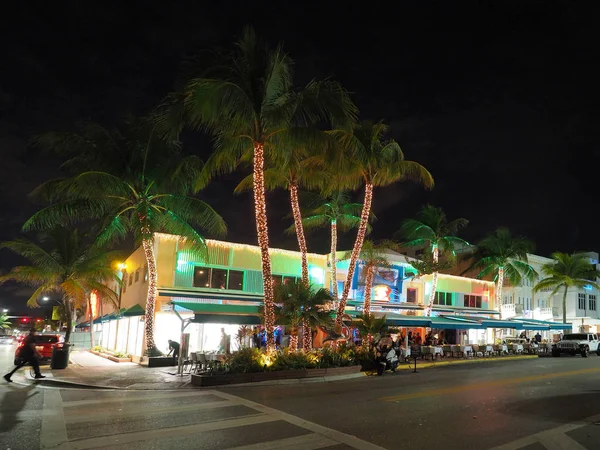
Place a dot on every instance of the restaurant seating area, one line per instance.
(201, 362)
(433, 352)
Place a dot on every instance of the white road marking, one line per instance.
(54, 430)
(304, 442)
(551, 438)
(134, 398)
(163, 433)
(338, 436)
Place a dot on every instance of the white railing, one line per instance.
(543, 313)
(508, 311)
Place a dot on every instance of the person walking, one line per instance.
(28, 354)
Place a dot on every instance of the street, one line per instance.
(533, 404)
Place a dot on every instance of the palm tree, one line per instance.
(302, 304)
(295, 169)
(334, 210)
(145, 195)
(63, 263)
(368, 325)
(372, 256)
(5, 323)
(502, 256)
(568, 271)
(432, 230)
(249, 104)
(376, 162)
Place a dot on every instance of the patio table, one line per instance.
(516, 348)
(486, 349)
(466, 350)
(447, 349)
(502, 349)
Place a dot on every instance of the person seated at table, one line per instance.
(173, 347)
(418, 339)
(410, 338)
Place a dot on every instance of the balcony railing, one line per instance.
(508, 311)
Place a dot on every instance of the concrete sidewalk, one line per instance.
(87, 370)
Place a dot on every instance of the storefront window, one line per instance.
(473, 301)
(443, 298)
(236, 280)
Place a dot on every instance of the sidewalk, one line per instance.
(87, 370)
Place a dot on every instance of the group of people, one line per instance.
(536, 339)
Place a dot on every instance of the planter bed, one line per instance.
(110, 357)
(161, 361)
(235, 378)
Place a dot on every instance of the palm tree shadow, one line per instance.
(12, 404)
(559, 409)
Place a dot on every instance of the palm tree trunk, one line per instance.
(435, 251)
(360, 239)
(299, 231)
(368, 287)
(91, 322)
(294, 339)
(260, 211)
(307, 344)
(334, 289)
(148, 245)
(69, 312)
(499, 285)
(564, 305)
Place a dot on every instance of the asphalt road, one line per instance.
(535, 404)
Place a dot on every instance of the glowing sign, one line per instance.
(382, 293)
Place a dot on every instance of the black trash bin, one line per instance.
(60, 357)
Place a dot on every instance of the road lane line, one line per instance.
(54, 430)
(132, 398)
(311, 441)
(338, 436)
(163, 433)
(82, 417)
(560, 442)
(488, 384)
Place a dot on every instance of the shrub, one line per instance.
(122, 355)
(246, 360)
(289, 360)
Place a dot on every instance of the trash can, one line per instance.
(60, 357)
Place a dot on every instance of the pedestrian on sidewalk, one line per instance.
(28, 354)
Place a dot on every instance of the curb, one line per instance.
(430, 365)
(289, 381)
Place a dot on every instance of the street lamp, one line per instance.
(5, 310)
(45, 298)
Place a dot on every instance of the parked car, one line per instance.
(577, 343)
(44, 343)
(6, 339)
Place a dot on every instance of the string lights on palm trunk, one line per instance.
(262, 231)
(299, 231)
(148, 245)
(360, 239)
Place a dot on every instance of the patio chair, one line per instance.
(193, 362)
(203, 363)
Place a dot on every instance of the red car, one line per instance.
(43, 343)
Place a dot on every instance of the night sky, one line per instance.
(499, 100)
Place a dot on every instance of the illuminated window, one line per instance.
(218, 279)
(443, 298)
(411, 295)
(235, 280)
(473, 301)
(581, 298)
(201, 277)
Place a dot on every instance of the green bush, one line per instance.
(288, 360)
(247, 360)
(97, 348)
(122, 355)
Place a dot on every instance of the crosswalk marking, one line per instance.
(305, 442)
(134, 411)
(161, 433)
(139, 398)
(553, 439)
(54, 430)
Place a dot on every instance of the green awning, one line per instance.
(408, 321)
(212, 308)
(493, 323)
(116, 314)
(544, 325)
(451, 323)
(104, 318)
(227, 319)
(135, 310)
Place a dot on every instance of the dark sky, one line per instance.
(498, 99)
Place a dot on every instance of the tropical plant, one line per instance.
(568, 271)
(249, 104)
(370, 326)
(375, 162)
(145, 195)
(305, 306)
(334, 210)
(5, 323)
(502, 256)
(372, 256)
(66, 263)
(432, 230)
